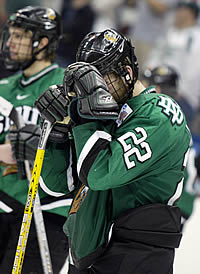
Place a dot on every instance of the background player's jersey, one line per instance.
(22, 93)
(137, 161)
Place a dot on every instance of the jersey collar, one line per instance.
(127, 109)
(27, 81)
(151, 89)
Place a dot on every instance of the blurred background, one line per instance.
(164, 32)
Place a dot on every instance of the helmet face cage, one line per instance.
(117, 86)
(21, 48)
(110, 53)
(41, 22)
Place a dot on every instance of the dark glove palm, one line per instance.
(24, 141)
(52, 104)
(94, 100)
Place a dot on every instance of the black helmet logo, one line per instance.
(110, 37)
(51, 14)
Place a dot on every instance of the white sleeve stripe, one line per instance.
(90, 144)
(5, 207)
(192, 171)
(177, 194)
(186, 158)
(47, 190)
(70, 179)
(70, 257)
(65, 202)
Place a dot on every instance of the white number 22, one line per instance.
(130, 141)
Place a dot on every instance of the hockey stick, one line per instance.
(7, 109)
(28, 211)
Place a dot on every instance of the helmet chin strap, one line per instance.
(129, 81)
(28, 63)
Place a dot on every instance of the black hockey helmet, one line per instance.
(109, 51)
(164, 76)
(42, 22)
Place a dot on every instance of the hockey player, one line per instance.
(165, 78)
(130, 161)
(28, 44)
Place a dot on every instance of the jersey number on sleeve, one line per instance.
(131, 144)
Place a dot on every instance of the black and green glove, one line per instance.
(91, 98)
(24, 141)
(53, 106)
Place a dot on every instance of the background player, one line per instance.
(28, 44)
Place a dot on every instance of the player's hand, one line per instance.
(52, 104)
(6, 154)
(24, 141)
(92, 99)
(59, 132)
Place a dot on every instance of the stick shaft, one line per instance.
(38, 216)
(8, 110)
(26, 222)
(32, 192)
(40, 229)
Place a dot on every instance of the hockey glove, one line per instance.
(93, 98)
(24, 141)
(59, 132)
(52, 104)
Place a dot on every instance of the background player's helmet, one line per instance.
(109, 51)
(163, 76)
(42, 22)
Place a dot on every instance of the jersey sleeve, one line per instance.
(57, 171)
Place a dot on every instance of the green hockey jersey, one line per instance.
(139, 160)
(22, 93)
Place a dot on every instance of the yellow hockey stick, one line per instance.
(28, 211)
(8, 110)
